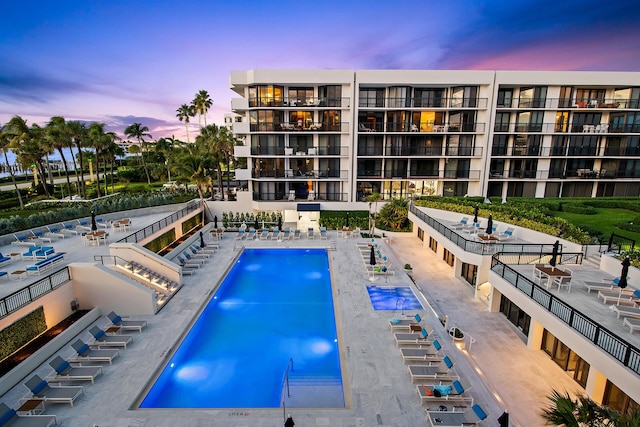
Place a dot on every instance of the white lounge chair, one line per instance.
(626, 311)
(454, 394)
(401, 325)
(240, 235)
(126, 325)
(460, 224)
(441, 371)
(415, 339)
(104, 340)
(10, 417)
(42, 390)
(66, 372)
(87, 354)
(507, 234)
(605, 285)
(633, 324)
(422, 355)
(455, 419)
(296, 234)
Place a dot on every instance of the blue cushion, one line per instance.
(61, 367)
(479, 412)
(437, 345)
(7, 416)
(447, 362)
(458, 387)
(636, 293)
(417, 317)
(99, 334)
(394, 321)
(3, 273)
(41, 386)
(117, 319)
(424, 333)
(83, 349)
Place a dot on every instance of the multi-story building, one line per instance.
(337, 136)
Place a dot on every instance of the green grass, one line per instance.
(606, 221)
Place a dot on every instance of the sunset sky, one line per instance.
(120, 62)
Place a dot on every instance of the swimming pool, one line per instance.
(274, 309)
(393, 298)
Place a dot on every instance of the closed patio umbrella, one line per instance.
(202, 240)
(475, 214)
(280, 223)
(372, 256)
(554, 254)
(623, 274)
(490, 225)
(215, 222)
(503, 420)
(347, 220)
(255, 224)
(94, 226)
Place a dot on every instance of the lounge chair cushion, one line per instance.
(62, 367)
(479, 412)
(38, 388)
(83, 349)
(394, 321)
(458, 387)
(636, 293)
(7, 416)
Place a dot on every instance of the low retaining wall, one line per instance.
(24, 369)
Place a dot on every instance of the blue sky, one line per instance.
(120, 62)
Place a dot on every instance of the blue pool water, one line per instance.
(273, 306)
(393, 298)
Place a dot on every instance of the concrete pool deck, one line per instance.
(502, 371)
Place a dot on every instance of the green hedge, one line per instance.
(334, 220)
(162, 241)
(21, 332)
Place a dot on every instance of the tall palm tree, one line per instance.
(78, 134)
(31, 152)
(58, 138)
(10, 135)
(193, 164)
(209, 140)
(226, 143)
(139, 132)
(201, 104)
(100, 141)
(184, 113)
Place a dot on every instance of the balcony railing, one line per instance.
(555, 103)
(598, 128)
(364, 127)
(297, 102)
(300, 127)
(482, 248)
(606, 340)
(161, 224)
(434, 151)
(439, 102)
(284, 197)
(300, 174)
(300, 151)
(26, 295)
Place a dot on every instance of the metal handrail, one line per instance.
(160, 224)
(484, 248)
(601, 337)
(30, 293)
(285, 381)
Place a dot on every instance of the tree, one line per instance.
(10, 135)
(373, 198)
(583, 412)
(100, 141)
(32, 149)
(139, 132)
(78, 134)
(394, 214)
(184, 113)
(58, 138)
(201, 104)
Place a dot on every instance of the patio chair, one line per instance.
(633, 324)
(87, 354)
(605, 285)
(296, 234)
(70, 229)
(401, 325)
(413, 339)
(454, 419)
(275, 234)
(446, 393)
(441, 371)
(240, 234)
(9, 417)
(506, 234)
(286, 234)
(620, 297)
(323, 234)
(42, 390)
(624, 311)
(310, 234)
(54, 232)
(39, 235)
(312, 196)
(460, 224)
(292, 195)
(66, 372)
(562, 281)
(102, 339)
(264, 234)
(420, 355)
(539, 277)
(194, 259)
(24, 241)
(126, 325)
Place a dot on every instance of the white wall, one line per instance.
(98, 286)
(143, 256)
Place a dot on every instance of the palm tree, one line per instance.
(394, 214)
(184, 113)
(10, 135)
(193, 164)
(78, 134)
(583, 412)
(138, 132)
(58, 138)
(100, 141)
(201, 104)
(226, 143)
(31, 151)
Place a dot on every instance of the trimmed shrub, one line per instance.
(22, 331)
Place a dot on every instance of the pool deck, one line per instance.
(502, 371)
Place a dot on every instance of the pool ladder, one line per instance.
(285, 383)
(400, 301)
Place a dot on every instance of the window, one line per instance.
(532, 97)
(330, 96)
(470, 273)
(266, 144)
(430, 98)
(265, 120)
(529, 121)
(369, 145)
(462, 121)
(330, 120)
(619, 400)
(504, 97)
(562, 121)
(499, 146)
(398, 121)
(371, 97)
(564, 357)
(265, 96)
(433, 244)
(300, 96)
(426, 119)
(502, 122)
(399, 97)
(464, 96)
(448, 257)
(515, 315)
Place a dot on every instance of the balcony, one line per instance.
(300, 127)
(297, 102)
(428, 127)
(300, 174)
(563, 103)
(549, 128)
(284, 196)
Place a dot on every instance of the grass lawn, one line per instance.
(605, 220)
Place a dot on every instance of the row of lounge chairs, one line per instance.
(192, 258)
(103, 349)
(276, 234)
(476, 228)
(382, 266)
(440, 388)
(625, 302)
